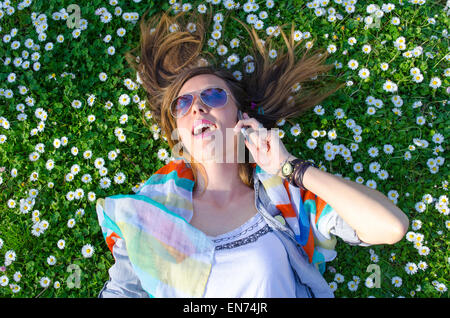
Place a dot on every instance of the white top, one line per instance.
(250, 261)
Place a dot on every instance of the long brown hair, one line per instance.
(168, 59)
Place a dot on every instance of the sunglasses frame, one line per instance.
(198, 94)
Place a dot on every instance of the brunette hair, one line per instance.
(281, 89)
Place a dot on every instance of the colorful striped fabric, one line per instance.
(171, 257)
(305, 214)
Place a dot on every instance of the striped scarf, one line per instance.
(171, 257)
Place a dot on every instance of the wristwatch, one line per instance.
(287, 168)
(293, 170)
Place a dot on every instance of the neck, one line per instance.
(224, 184)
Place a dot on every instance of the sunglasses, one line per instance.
(214, 97)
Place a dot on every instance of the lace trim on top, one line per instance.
(248, 232)
(244, 228)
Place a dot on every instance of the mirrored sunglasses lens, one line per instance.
(181, 105)
(214, 97)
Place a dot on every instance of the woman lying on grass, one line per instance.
(214, 222)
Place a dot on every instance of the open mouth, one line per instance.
(204, 131)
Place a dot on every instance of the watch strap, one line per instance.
(295, 164)
(300, 167)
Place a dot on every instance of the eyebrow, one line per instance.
(211, 86)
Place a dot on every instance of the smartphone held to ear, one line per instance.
(243, 130)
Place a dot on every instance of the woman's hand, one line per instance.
(265, 146)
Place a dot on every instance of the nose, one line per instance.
(197, 105)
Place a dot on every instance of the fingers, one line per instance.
(258, 153)
(260, 140)
(255, 132)
(252, 122)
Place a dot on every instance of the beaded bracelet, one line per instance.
(299, 171)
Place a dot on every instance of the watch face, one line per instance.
(287, 168)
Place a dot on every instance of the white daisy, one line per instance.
(411, 268)
(174, 27)
(61, 244)
(212, 43)
(79, 193)
(121, 32)
(389, 86)
(103, 76)
(71, 223)
(396, 281)
(14, 287)
(4, 280)
(75, 169)
(366, 48)
(87, 154)
(201, 8)
(218, 17)
(103, 171)
(273, 53)
(43, 224)
(191, 27)
(91, 196)
(162, 154)
(216, 34)
(364, 73)
(339, 278)
(44, 281)
(438, 138)
(69, 177)
(56, 143)
(10, 256)
(422, 265)
(124, 99)
(51, 260)
(250, 67)
(374, 258)
(99, 162)
(17, 276)
(331, 48)
(369, 282)
(79, 212)
(112, 155)
(87, 250)
(333, 286)
(353, 64)
(119, 178)
(435, 82)
(352, 285)
(395, 21)
(105, 182)
(111, 50)
(296, 130)
(352, 40)
(418, 78)
(238, 75)
(424, 250)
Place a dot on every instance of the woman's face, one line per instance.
(213, 146)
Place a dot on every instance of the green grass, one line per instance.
(86, 57)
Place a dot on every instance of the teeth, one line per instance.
(199, 128)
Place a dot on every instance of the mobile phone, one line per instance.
(243, 130)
